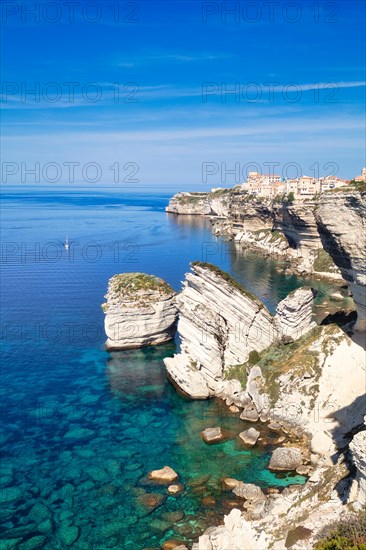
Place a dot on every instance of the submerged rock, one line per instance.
(10, 494)
(68, 534)
(230, 483)
(151, 500)
(285, 459)
(140, 311)
(35, 542)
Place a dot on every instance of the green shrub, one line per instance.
(253, 357)
(348, 534)
(237, 372)
(297, 534)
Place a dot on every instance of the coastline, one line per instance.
(322, 444)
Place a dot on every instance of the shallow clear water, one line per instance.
(82, 427)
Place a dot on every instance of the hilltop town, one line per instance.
(265, 185)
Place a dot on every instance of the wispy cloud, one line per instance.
(112, 93)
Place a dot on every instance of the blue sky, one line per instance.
(297, 68)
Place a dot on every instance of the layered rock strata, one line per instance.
(274, 227)
(341, 221)
(220, 323)
(140, 311)
(358, 450)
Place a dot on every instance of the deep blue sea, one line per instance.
(81, 428)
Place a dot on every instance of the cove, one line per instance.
(83, 427)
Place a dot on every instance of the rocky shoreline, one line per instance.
(303, 382)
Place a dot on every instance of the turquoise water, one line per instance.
(81, 427)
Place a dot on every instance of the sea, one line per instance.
(82, 428)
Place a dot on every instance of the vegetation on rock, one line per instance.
(228, 279)
(323, 262)
(296, 357)
(348, 534)
(133, 286)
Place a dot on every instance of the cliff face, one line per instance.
(189, 203)
(285, 229)
(220, 323)
(140, 311)
(316, 383)
(340, 218)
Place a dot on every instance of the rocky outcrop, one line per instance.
(285, 459)
(274, 227)
(294, 314)
(165, 475)
(357, 448)
(220, 323)
(318, 384)
(250, 436)
(189, 204)
(216, 203)
(140, 311)
(212, 435)
(236, 534)
(341, 221)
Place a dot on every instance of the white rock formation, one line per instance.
(220, 323)
(140, 311)
(324, 392)
(294, 314)
(285, 458)
(249, 437)
(165, 475)
(358, 450)
(235, 534)
(341, 219)
(274, 228)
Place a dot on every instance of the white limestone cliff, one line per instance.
(235, 534)
(140, 311)
(273, 227)
(358, 451)
(341, 220)
(220, 323)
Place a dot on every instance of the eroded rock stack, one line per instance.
(294, 314)
(140, 311)
(220, 323)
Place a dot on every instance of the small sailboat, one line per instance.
(67, 244)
